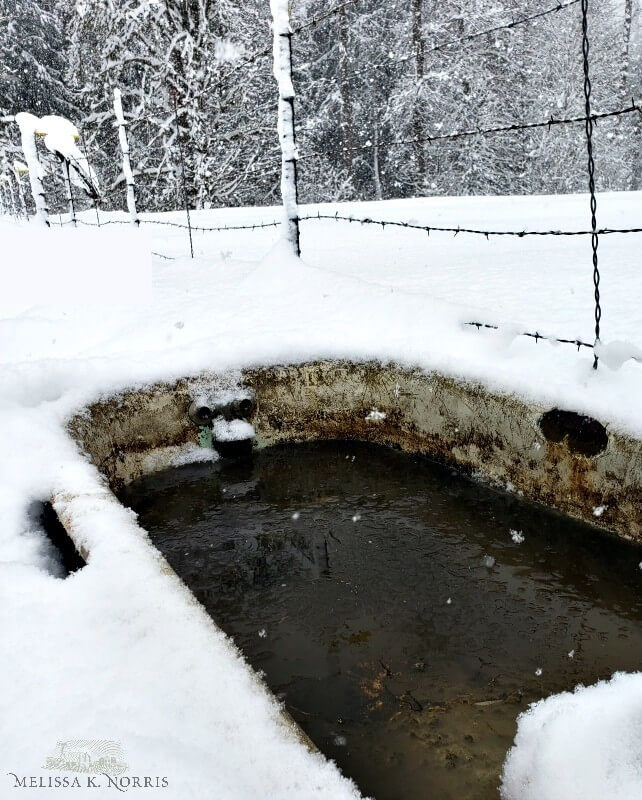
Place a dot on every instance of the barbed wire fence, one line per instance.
(589, 119)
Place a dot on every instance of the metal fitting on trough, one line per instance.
(200, 414)
(239, 408)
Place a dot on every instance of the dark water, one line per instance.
(376, 615)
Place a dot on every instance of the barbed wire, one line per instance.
(537, 336)
(508, 128)
(360, 221)
(439, 229)
(506, 26)
(267, 51)
(313, 21)
(452, 42)
(249, 227)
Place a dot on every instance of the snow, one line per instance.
(617, 353)
(192, 454)
(119, 650)
(60, 137)
(233, 431)
(81, 269)
(584, 744)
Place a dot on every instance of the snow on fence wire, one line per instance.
(589, 119)
(284, 69)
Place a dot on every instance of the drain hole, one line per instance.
(584, 435)
(70, 558)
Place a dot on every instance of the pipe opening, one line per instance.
(583, 435)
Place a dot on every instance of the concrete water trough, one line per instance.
(553, 457)
(567, 461)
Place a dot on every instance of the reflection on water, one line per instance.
(391, 606)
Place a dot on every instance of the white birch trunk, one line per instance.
(124, 148)
(287, 137)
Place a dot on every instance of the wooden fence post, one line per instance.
(286, 128)
(124, 149)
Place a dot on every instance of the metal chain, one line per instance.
(591, 173)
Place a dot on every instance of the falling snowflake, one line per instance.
(356, 518)
(538, 671)
(262, 633)
(517, 536)
(597, 512)
(571, 653)
(296, 515)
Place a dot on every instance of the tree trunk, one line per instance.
(626, 80)
(626, 51)
(418, 116)
(180, 19)
(375, 160)
(346, 96)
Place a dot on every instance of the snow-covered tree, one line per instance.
(373, 80)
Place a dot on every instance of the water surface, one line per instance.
(390, 609)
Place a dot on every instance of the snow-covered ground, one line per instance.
(117, 651)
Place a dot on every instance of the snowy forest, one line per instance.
(367, 79)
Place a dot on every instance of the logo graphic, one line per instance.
(100, 756)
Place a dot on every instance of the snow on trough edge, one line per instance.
(96, 656)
